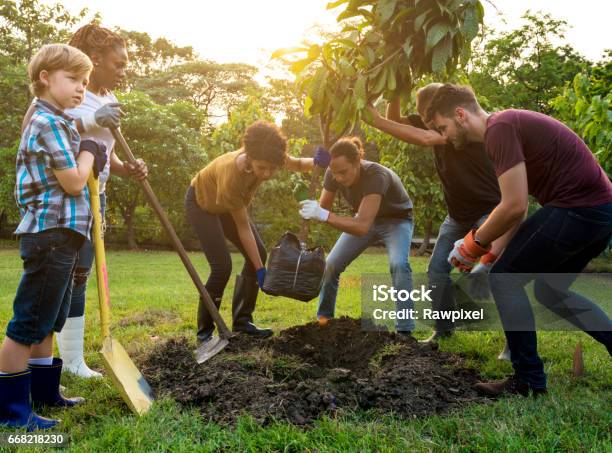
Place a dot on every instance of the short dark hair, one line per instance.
(263, 140)
(349, 147)
(448, 97)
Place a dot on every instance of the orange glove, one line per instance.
(467, 252)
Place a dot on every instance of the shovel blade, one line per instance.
(132, 385)
(210, 348)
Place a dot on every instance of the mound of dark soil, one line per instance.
(311, 370)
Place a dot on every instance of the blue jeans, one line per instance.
(397, 236)
(552, 240)
(43, 296)
(82, 271)
(439, 269)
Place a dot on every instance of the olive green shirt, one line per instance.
(222, 187)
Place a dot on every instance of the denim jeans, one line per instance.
(82, 271)
(439, 269)
(43, 296)
(552, 240)
(397, 236)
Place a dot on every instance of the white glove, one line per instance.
(310, 210)
(109, 115)
(478, 286)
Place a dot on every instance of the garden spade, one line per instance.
(215, 345)
(127, 378)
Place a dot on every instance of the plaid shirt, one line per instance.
(49, 142)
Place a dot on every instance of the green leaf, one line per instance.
(307, 106)
(440, 56)
(385, 9)
(348, 13)
(408, 48)
(346, 68)
(360, 92)
(435, 35)
(332, 5)
(471, 23)
(298, 66)
(391, 81)
(420, 20)
(288, 50)
(346, 42)
(314, 51)
(316, 90)
(369, 55)
(381, 82)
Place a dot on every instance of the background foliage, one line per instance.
(184, 110)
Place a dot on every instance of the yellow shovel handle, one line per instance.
(101, 273)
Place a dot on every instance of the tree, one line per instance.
(384, 47)
(210, 86)
(524, 68)
(586, 106)
(148, 56)
(167, 137)
(29, 24)
(25, 26)
(8, 209)
(283, 98)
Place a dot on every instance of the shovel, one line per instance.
(216, 344)
(127, 379)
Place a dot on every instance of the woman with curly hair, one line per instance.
(217, 203)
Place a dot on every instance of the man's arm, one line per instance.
(406, 132)
(512, 208)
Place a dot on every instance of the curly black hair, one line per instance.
(349, 147)
(92, 38)
(263, 140)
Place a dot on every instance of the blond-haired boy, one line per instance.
(52, 171)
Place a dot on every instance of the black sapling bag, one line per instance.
(293, 271)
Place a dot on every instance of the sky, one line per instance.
(248, 31)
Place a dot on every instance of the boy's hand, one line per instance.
(99, 152)
(137, 170)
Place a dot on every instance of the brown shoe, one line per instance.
(509, 385)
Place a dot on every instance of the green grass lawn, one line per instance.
(153, 298)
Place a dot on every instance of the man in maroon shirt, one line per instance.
(533, 154)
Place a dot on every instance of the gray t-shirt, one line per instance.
(375, 179)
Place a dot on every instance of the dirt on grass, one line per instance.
(308, 371)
